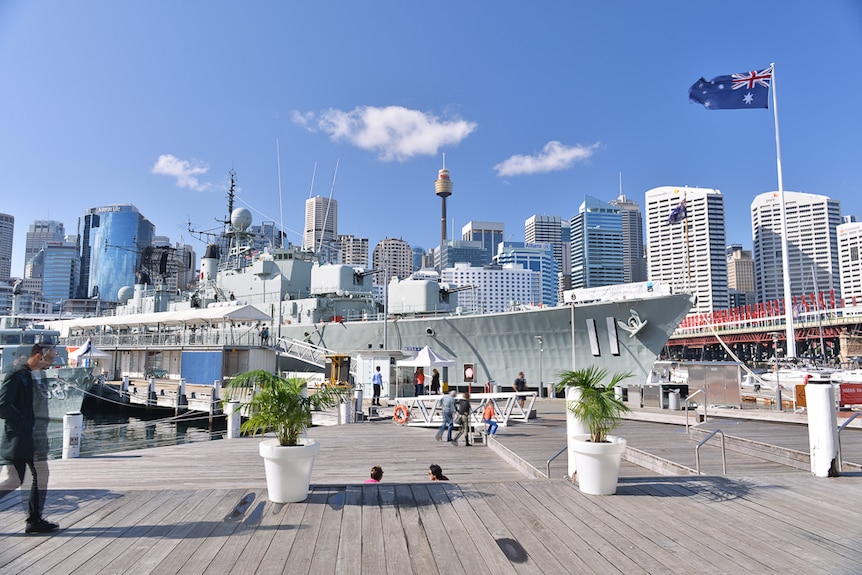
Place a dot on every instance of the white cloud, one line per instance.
(394, 132)
(554, 157)
(186, 172)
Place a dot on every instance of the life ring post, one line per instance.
(401, 414)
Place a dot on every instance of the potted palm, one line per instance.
(283, 406)
(595, 406)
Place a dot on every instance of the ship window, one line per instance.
(11, 338)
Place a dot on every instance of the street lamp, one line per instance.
(541, 349)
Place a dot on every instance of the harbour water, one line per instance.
(108, 429)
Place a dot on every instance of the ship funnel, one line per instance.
(209, 263)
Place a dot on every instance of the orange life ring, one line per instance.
(401, 414)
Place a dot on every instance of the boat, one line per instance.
(63, 387)
(313, 310)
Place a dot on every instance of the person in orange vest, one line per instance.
(488, 416)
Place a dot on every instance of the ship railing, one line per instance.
(427, 410)
(204, 336)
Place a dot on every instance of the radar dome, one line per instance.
(125, 293)
(241, 219)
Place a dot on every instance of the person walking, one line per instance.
(488, 416)
(377, 380)
(435, 381)
(448, 405)
(463, 408)
(24, 444)
(419, 381)
(520, 385)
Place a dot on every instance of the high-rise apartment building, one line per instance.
(538, 257)
(597, 245)
(111, 244)
(634, 260)
(352, 250)
(7, 233)
(489, 234)
(687, 251)
(740, 276)
(393, 255)
(849, 237)
(494, 288)
(811, 241)
(321, 226)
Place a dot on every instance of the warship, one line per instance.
(281, 309)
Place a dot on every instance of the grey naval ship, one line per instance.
(311, 310)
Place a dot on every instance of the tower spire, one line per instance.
(443, 189)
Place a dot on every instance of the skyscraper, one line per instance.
(547, 229)
(489, 234)
(352, 250)
(850, 261)
(687, 251)
(538, 257)
(740, 276)
(7, 233)
(597, 245)
(321, 226)
(811, 242)
(39, 233)
(111, 244)
(393, 255)
(634, 261)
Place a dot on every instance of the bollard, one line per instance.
(182, 400)
(233, 419)
(151, 393)
(822, 428)
(357, 397)
(344, 412)
(73, 425)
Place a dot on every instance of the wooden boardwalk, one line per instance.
(202, 508)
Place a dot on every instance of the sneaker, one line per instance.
(41, 526)
(454, 442)
(439, 437)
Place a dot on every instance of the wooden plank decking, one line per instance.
(202, 508)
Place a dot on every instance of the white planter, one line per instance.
(598, 463)
(288, 469)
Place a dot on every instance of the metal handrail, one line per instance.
(688, 405)
(556, 455)
(840, 429)
(723, 452)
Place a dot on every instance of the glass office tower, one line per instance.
(111, 243)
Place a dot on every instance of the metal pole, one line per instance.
(777, 378)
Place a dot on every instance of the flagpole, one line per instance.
(785, 258)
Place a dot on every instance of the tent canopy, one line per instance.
(426, 358)
(90, 351)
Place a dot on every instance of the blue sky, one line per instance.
(535, 104)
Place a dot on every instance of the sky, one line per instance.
(534, 104)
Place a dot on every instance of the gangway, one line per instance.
(307, 352)
(426, 410)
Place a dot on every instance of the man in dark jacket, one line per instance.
(24, 444)
(463, 409)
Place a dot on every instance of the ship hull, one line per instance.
(501, 345)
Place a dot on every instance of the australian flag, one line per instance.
(678, 214)
(748, 90)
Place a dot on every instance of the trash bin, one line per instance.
(674, 403)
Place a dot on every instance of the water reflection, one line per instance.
(110, 430)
